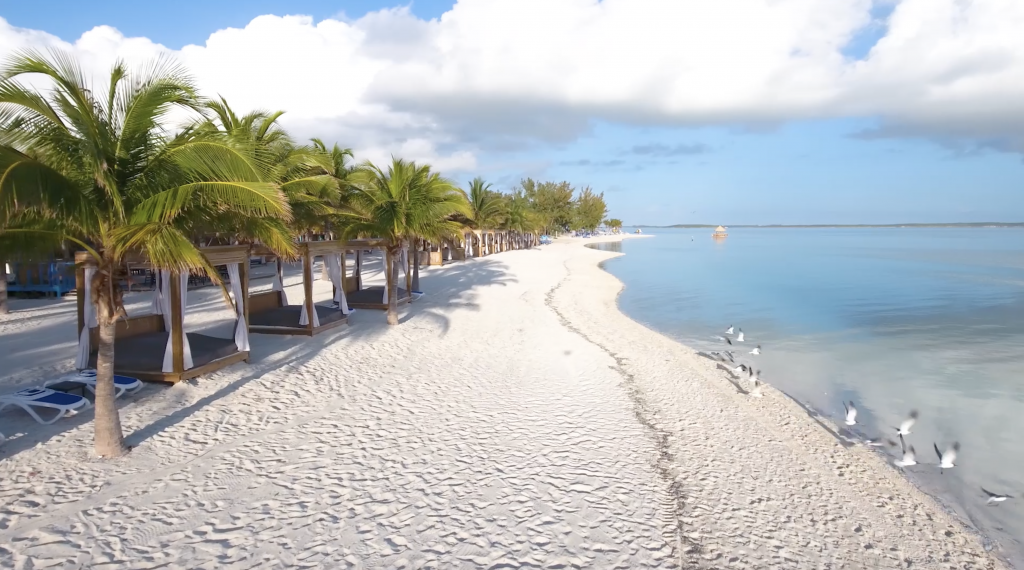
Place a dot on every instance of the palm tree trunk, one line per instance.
(3, 287)
(418, 249)
(109, 441)
(392, 277)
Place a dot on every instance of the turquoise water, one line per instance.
(893, 319)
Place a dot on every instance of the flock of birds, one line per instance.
(947, 458)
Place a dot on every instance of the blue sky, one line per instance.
(794, 170)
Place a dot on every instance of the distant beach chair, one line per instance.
(87, 378)
(31, 398)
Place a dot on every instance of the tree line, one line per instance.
(97, 168)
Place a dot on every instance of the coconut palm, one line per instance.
(519, 217)
(404, 202)
(107, 176)
(486, 209)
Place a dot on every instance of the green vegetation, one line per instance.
(102, 170)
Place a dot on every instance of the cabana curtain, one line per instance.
(241, 331)
(157, 307)
(304, 316)
(84, 348)
(333, 262)
(279, 286)
(469, 245)
(186, 350)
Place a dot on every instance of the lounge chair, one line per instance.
(31, 398)
(87, 378)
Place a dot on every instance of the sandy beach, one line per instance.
(515, 419)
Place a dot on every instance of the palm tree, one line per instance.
(519, 217)
(404, 202)
(109, 178)
(486, 209)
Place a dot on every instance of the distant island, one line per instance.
(952, 225)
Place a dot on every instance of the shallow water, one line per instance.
(893, 319)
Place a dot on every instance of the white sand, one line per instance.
(516, 419)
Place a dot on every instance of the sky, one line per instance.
(705, 111)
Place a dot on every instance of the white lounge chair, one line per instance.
(31, 398)
(87, 378)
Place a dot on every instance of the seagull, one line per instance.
(904, 428)
(909, 458)
(994, 497)
(851, 413)
(756, 392)
(947, 459)
(879, 442)
(729, 330)
(739, 337)
(740, 368)
(757, 350)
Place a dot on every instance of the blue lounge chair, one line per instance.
(87, 378)
(31, 398)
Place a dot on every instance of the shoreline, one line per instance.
(812, 433)
(557, 433)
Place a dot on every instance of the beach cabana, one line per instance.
(375, 297)
(270, 312)
(155, 347)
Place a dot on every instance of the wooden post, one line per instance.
(280, 277)
(358, 273)
(177, 325)
(408, 270)
(80, 258)
(307, 284)
(243, 276)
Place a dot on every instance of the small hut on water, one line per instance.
(720, 233)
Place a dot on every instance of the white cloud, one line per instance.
(493, 74)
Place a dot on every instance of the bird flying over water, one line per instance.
(851, 413)
(908, 423)
(994, 497)
(729, 330)
(757, 350)
(909, 456)
(739, 336)
(947, 459)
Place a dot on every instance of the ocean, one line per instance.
(894, 319)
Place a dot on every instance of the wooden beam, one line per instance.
(177, 325)
(307, 284)
(243, 276)
(80, 260)
(358, 271)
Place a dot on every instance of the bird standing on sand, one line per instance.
(739, 337)
(908, 423)
(994, 497)
(851, 413)
(757, 350)
(947, 459)
(740, 368)
(909, 456)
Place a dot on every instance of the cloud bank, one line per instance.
(495, 75)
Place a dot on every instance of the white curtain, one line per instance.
(487, 245)
(469, 245)
(241, 331)
(333, 262)
(84, 348)
(185, 348)
(304, 315)
(279, 287)
(158, 305)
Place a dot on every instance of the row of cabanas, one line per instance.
(155, 347)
